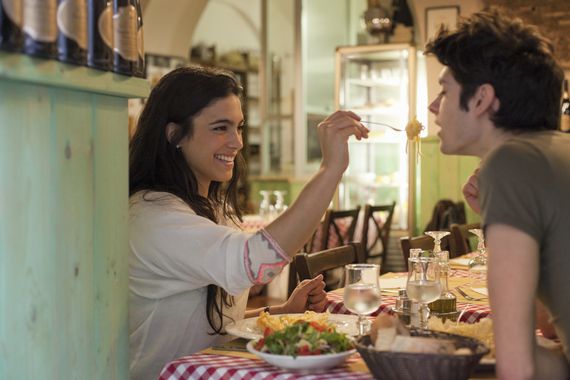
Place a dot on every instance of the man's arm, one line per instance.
(513, 280)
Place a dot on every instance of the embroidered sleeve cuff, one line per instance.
(263, 258)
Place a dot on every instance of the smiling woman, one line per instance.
(215, 141)
(190, 266)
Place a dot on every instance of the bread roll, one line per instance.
(422, 345)
(383, 331)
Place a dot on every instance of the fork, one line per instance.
(467, 296)
(382, 124)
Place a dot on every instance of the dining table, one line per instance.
(232, 361)
(470, 311)
(235, 363)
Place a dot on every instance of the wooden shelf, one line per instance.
(39, 71)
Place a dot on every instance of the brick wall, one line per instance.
(552, 17)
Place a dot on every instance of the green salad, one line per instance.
(304, 338)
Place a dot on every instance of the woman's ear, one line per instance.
(171, 130)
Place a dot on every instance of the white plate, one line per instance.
(302, 362)
(247, 328)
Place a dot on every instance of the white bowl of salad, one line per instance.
(303, 346)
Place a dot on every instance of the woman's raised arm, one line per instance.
(293, 228)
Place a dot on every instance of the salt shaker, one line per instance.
(403, 306)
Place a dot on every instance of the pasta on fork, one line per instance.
(413, 130)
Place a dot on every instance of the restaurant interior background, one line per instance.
(285, 52)
(64, 163)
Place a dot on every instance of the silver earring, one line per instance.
(178, 147)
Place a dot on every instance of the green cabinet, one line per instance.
(63, 220)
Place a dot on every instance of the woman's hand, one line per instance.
(308, 295)
(334, 132)
(471, 191)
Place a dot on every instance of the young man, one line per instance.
(500, 101)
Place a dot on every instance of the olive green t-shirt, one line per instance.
(525, 183)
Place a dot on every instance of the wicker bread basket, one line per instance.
(387, 365)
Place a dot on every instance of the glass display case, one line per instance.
(377, 82)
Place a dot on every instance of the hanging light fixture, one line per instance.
(378, 20)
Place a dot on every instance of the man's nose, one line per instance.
(434, 106)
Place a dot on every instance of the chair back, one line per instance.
(445, 213)
(421, 242)
(378, 217)
(460, 235)
(337, 229)
(310, 265)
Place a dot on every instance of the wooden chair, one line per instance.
(445, 213)
(338, 226)
(421, 242)
(310, 265)
(460, 236)
(380, 217)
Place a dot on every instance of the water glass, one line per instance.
(423, 284)
(362, 291)
(478, 264)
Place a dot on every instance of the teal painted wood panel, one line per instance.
(440, 176)
(28, 262)
(110, 263)
(63, 230)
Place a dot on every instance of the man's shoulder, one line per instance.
(527, 148)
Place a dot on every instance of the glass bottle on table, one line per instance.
(447, 302)
(362, 292)
(446, 305)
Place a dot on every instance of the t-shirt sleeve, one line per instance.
(507, 188)
(173, 250)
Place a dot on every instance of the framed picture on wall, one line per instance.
(435, 16)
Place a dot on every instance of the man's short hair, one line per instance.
(514, 58)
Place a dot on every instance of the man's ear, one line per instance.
(484, 100)
(171, 130)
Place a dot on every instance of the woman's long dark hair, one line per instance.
(155, 164)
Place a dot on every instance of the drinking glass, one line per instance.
(280, 205)
(423, 285)
(478, 264)
(437, 236)
(264, 205)
(362, 291)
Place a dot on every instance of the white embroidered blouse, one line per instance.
(174, 255)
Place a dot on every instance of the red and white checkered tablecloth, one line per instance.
(469, 313)
(220, 367)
